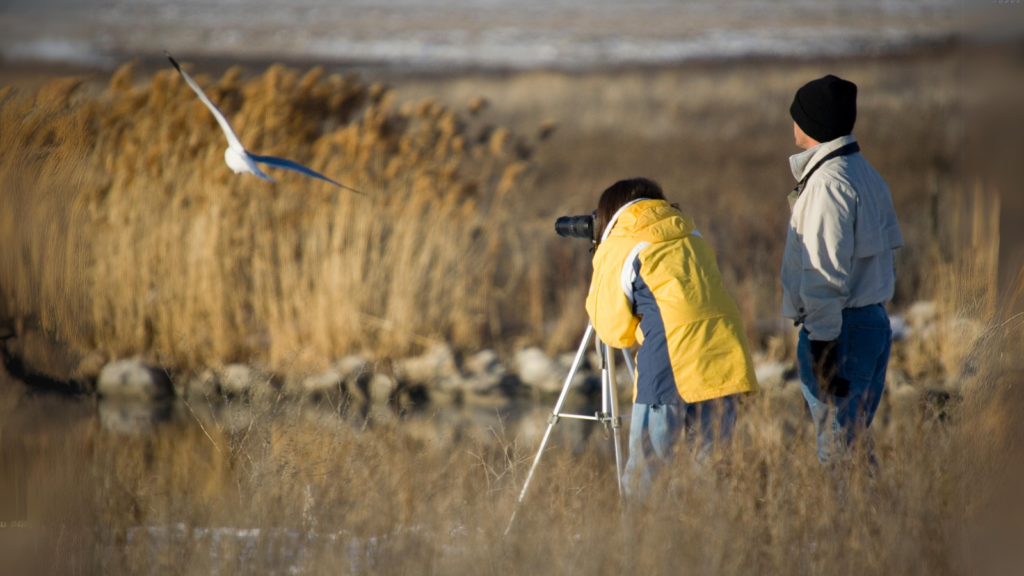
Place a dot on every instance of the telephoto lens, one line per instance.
(576, 226)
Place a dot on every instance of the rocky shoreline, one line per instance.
(437, 376)
(131, 394)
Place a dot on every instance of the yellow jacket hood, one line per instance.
(651, 221)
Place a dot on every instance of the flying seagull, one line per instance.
(240, 160)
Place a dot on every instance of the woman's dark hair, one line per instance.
(621, 193)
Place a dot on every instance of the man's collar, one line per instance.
(801, 162)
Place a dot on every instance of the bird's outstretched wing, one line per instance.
(264, 176)
(233, 140)
(292, 165)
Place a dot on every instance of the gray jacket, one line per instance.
(843, 233)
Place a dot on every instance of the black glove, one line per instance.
(826, 368)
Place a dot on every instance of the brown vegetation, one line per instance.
(717, 137)
(126, 234)
(129, 236)
(267, 488)
(123, 232)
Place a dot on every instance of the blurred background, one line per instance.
(185, 348)
(441, 35)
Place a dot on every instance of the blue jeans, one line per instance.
(864, 347)
(654, 430)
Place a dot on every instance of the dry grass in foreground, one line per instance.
(282, 491)
(273, 487)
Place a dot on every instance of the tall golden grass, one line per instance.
(126, 234)
(129, 237)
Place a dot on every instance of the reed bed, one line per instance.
(129, 237)
(126, 235)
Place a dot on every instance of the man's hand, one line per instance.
(826, 367)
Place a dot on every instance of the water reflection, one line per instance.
(519, 420)
(522, 420)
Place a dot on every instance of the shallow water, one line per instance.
(56, 454)
(296, 487)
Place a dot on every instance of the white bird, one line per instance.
(240, 160)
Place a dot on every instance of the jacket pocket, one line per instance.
(862, 348)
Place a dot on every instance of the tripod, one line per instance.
(609, 414)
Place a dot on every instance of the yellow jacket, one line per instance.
(656, 281)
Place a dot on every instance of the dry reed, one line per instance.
(126, 234)
(164, 254)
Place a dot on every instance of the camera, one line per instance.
(577, 226)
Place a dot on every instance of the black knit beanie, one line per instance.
(826, 108)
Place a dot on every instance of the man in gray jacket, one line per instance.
(838, 270)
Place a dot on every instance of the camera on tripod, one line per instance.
(577, 226)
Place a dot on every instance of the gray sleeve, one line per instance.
(827, 232)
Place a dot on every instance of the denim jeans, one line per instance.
(655, 428)
(864, 346)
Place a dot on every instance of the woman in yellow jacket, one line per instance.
(656, 282)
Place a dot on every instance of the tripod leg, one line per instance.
(553, 419)
(629, 363)
(613, 402)
(536, 460)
